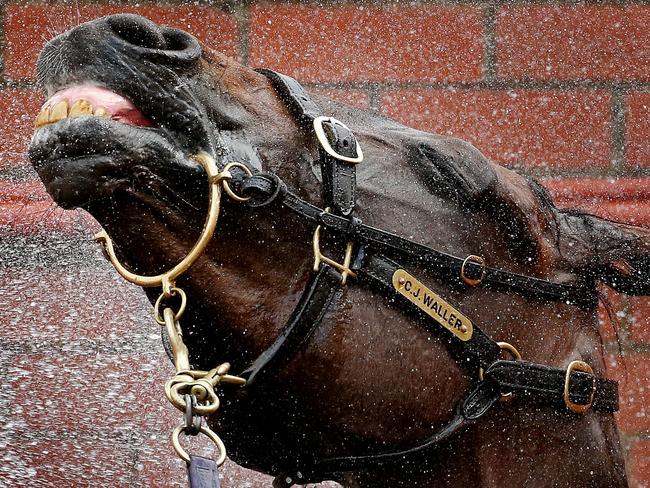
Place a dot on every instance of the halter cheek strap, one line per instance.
(338, 148)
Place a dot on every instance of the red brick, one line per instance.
(34, 217)
(639, 463)
(27, 27)
(89, 461)
(633, 212)
(362, 43)
(624, 200)
(158, 465)
(640, 319)
(83, 390)
(633, 374)
(67, 305)
(637, 135)
(22, 192)
(26, 208)
(18, 110)
(354, 98)
(594, 42)
(573, 189)
(553, 129)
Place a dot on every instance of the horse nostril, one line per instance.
(137, 31)
(177, 40)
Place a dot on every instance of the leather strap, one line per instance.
(305, 319)
(294, 97)
(545, 384)
(202, 473)
(339, 176)
(442, 265)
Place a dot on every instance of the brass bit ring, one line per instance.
(205, 430)
(167, 279)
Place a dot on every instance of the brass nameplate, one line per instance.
(434, 306)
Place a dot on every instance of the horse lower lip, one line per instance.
(78, 138)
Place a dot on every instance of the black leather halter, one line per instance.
(377, 256)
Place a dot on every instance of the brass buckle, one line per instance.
(585, 368)
(504, 346)
(319, 257)
(324, 141)
(476, 260)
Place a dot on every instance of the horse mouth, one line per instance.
(121, 114)
(90, 100)
(91, 142)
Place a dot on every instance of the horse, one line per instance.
(374, 391)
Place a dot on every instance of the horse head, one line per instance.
(133, 107)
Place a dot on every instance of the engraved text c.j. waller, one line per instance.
(433, 305)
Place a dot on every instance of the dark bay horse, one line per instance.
(130, 103)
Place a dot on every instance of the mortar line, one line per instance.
(241, 12)
(489, 36)
(618, 130)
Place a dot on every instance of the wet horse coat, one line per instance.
(370, 378)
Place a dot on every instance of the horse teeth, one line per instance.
(101, 112)
(63, 110)
(80, 108)
(59, 112)
(43, 118)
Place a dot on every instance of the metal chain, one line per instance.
(191, 391)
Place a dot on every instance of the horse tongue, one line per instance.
(116, 106)
(132, 117)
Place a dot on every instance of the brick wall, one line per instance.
(561, 92)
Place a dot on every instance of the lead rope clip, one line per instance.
(191, 391)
